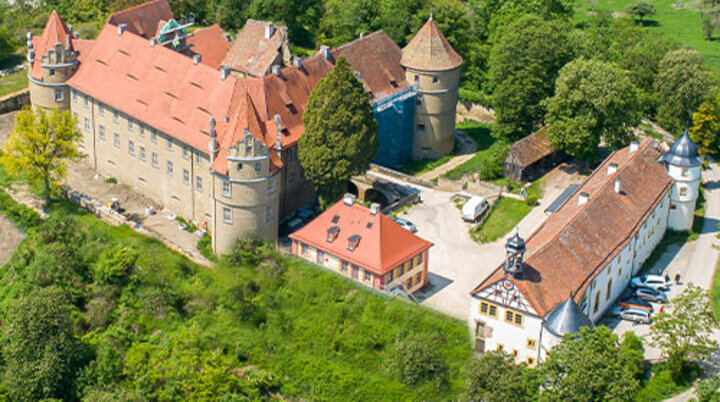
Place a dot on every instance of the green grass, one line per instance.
(678, 19)
(505, 215)
(487, 147)
(414, 168)
(662, 386)
(13, 82)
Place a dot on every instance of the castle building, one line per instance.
(365, 245)
(571, 270)
(160, 112)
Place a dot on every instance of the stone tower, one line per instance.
(682, 163)
(246, 195)
(52, 61)
(433, 66)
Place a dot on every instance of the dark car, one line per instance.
(636, 302)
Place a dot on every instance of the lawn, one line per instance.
(678, 19)
(273, 323)
(487, 148)
(412, 167)
(505, 215)
(13, 82)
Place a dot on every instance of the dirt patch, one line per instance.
(10, 237)
(474, 112)
(617, 14)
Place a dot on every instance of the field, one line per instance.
(506, 213)
(13, 82)
(678, 19)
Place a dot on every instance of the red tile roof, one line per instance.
(143, 19)
(209, 43)
(383, 243)
(577, 241)
(428, 50)
(532, 148)
(252, 53)
(55, 31)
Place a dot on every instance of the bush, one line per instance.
(416, 359)
(21, 216)
(250, 251)
(205, 247)
(115, 264)
(531, 200)
(707, 390)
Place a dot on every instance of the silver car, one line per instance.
(405, 224)
(651, 295)
(636, 315)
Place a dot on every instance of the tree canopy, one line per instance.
(705, 131)
(496, 377)
(641, 9)
(340, 138)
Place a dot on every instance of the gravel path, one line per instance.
(10, 237)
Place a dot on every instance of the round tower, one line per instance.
(514, 252)
(682, 163)
(246, 198)
(433, 67)
(52, 62)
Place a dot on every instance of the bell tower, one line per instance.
(514, 252)
(682, 163)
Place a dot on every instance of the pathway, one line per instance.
(10, 238)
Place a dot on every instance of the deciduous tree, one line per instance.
(340, 136)
(593, 100)
(680, 86)
(684, 329)
(416, 358)
(40, 146)
(641, 9)
(705, 130)
(496, 377)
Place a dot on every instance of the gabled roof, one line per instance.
(428, 50)
(251, 52)
(566, 318)
(210, 44)
(532, 148)
(143, 19)
(383, 243)
(55, 31)
(568, 250)
(683, 153)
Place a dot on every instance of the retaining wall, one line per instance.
(14, 101)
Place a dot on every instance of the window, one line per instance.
(142, 130)
(116, 117)
(86, 125)
(186, 152)
(401, 270)
(609, 290)
(344, 266)
(418, 278)
(169, 168)
(142, 153)
(198, 184)
(226, 189)
(436, 79)
(509, 316)
(409, 283)
(169, 144)
(271, 187)
(131, 148)
(500, 347)
(269, 214)
(304, 249)
(51, 72)
(514, 353)
(227, 218)
(186, 176)
(74, 96)
(418, 259)
(154, 159)
(101, 132)
(116, 140)
(131, 125)
(421, 128)
(258, 166)
(388, 277)
(531, 343)
(367, 276)
(198, 158)
(153, 136)
(86, 101)
(101, 109)
(530, 361)
(417, 78)
(488, 309)
(59, 95)
(684, 172)
(683, 191)
(513, 317)
(597, 303)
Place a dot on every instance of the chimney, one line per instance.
(278, 138)
(197, 59)
(67, 41)
(153, 41)
(212, 146)
(297, 61)
(349, 199)
(362, 34)
(612, 168)
(29, 44)
(583, 198)
(31, 56)
(269, 30)
(276, 70)
(616, 185)
(634, 146)
(374, 208)
(325, 51)
(224, 72)
(121, 29)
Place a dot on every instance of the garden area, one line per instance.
(13, 82)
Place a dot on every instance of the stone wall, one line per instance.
(14, 101)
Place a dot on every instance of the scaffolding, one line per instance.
(395, 115)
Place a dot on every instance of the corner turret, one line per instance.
(682, 163)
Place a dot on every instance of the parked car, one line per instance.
(636, 315)
(474, 208)
(295, 224)
(637, 303)
(405, 224)
(650, 294)
(650, 281)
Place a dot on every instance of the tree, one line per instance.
(524, 64)
(41, 351)
(684, 330)
(496, 377)
(590, 366)
(40, 146)
(6, 44)
(415, 358)
(340, 136)
(708, 390)
(705, 130)
(593, 100)
(680, 86)
(641, 9)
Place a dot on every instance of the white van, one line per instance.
(474, 208)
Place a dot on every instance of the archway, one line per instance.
(374, 195)
(352, 188)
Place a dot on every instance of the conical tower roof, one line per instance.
(566, 318)
(683, 153)
(428, 50)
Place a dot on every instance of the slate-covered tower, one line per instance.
(682, 163)
(433, 66)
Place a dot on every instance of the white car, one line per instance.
(636, 315)
(405, 224)
(650, 281)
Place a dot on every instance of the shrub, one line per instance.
(115, 264)
(415, 359)
(204, 245)
(21, 216)
(531, 200)
(250, 251)
(707, 390)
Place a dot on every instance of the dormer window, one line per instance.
(353, 242)
(336, 219)
(332, 233)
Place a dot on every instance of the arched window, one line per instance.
(609, 290)
(597, 302)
